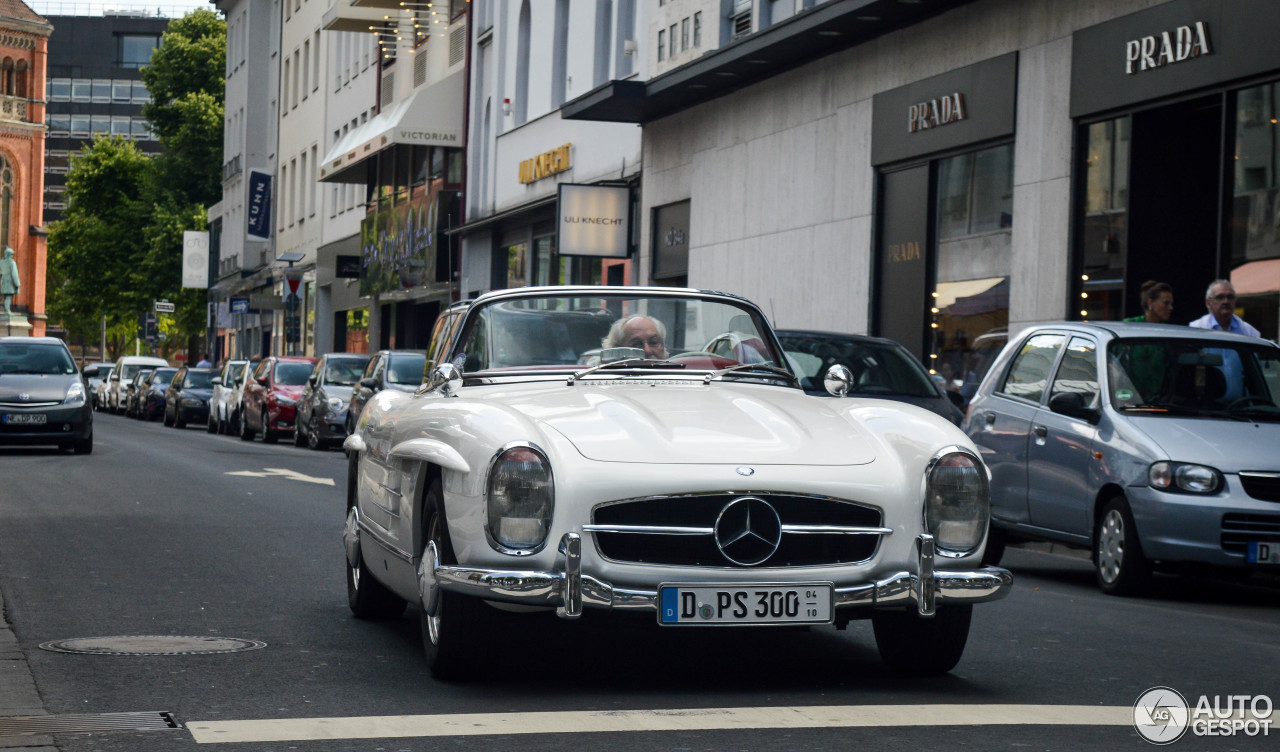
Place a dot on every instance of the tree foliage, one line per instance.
(118, 246)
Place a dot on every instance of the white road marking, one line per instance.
(695, 719)
(280, 472)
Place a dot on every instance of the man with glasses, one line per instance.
(1220, 299)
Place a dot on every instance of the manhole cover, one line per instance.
(152, 645)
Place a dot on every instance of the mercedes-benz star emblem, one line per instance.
(748, 531)
(745, 471)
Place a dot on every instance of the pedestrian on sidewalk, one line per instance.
(1157, 303)
(1220, 299)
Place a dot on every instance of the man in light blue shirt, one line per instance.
(1220, 299)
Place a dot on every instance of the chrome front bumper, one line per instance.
(568, 590)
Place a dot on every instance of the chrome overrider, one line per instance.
(569, 590)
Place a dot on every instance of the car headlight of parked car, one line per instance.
(75, 394)
(956, 501)
(519, 498)
(192, 402)
(286, 401)
(336, 404)
(1182, 477)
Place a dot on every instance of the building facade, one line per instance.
(529, 58)
(946, 173)
(24, 45)
(245, 297)
(95, 88)
(407, 161)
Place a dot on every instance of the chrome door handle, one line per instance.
(1040, 432)
(989, 418)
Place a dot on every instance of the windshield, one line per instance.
(1183, 377)
(35, 358)
(198, 380)
(406, 368)
(568, 332)
(344, 371)
(162, 377)
(293, 374)
(878, 368)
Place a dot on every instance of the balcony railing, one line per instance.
(13, 108)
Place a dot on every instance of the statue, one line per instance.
(10, 284)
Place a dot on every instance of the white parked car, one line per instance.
(126, 367)
(226, 395)
(662, 478)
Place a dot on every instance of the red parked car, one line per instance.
(269, 403)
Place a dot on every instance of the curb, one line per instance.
(18, 693)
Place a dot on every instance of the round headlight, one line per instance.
(336, 404)
(1185, 478)
(519, 498)
(956, 502)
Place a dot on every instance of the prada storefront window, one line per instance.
(972, 263)
(1106, 218)
(1254, 254)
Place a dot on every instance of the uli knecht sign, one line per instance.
(593, 220)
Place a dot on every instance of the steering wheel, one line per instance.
(1251, 399)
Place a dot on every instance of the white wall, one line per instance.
(780, 180)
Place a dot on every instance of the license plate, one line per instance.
(1264, 553)
(694, 605)
(24, 419)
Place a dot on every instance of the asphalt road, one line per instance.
(180, 533)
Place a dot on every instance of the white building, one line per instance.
(407, 162)
(936, 172)
(528, 59)
(249, 143)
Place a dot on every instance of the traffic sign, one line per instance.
(164, 306)
(239, 305)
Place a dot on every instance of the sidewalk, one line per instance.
(18, 695)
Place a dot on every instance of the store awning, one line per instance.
(431, 116)
(950, 292)
(1257, 277)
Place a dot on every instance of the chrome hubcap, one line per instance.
(351, 541)
(429, 591)
(1111, 546)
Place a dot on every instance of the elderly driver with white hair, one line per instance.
(641, 332)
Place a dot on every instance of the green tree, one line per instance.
(94, 247)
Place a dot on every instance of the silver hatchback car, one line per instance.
(1151, 445)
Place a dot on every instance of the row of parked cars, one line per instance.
(313, 401)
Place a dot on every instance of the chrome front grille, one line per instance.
(1260, 485)
(681, 530)
(28, 404)
(1238, 530)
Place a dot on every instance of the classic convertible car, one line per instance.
(659, 478)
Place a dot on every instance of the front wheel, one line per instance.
(244, 431)
(299, 438)
(267, 436)
(178, 422)
(83, 446)
(921, 645)
(212, 425)
(368, 598)
(453, 638)
(1118, 561)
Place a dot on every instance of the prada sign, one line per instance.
(593, 220)
(1170, 49)
(935, 112)
(545, 164)
(952, 110)
(1155, 52)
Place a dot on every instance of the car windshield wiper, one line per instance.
(624, 363)
(751, 367)
(1168, 407)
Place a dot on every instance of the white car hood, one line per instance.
(694, 423)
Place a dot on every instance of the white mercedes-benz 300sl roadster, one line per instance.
(583, 448)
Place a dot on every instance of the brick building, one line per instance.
(24, 41)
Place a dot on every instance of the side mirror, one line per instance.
(262, 380)
(369, 383)
(837, 380)
(1071, 404)
(447, 378)
(91, 372)
(217, 381)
